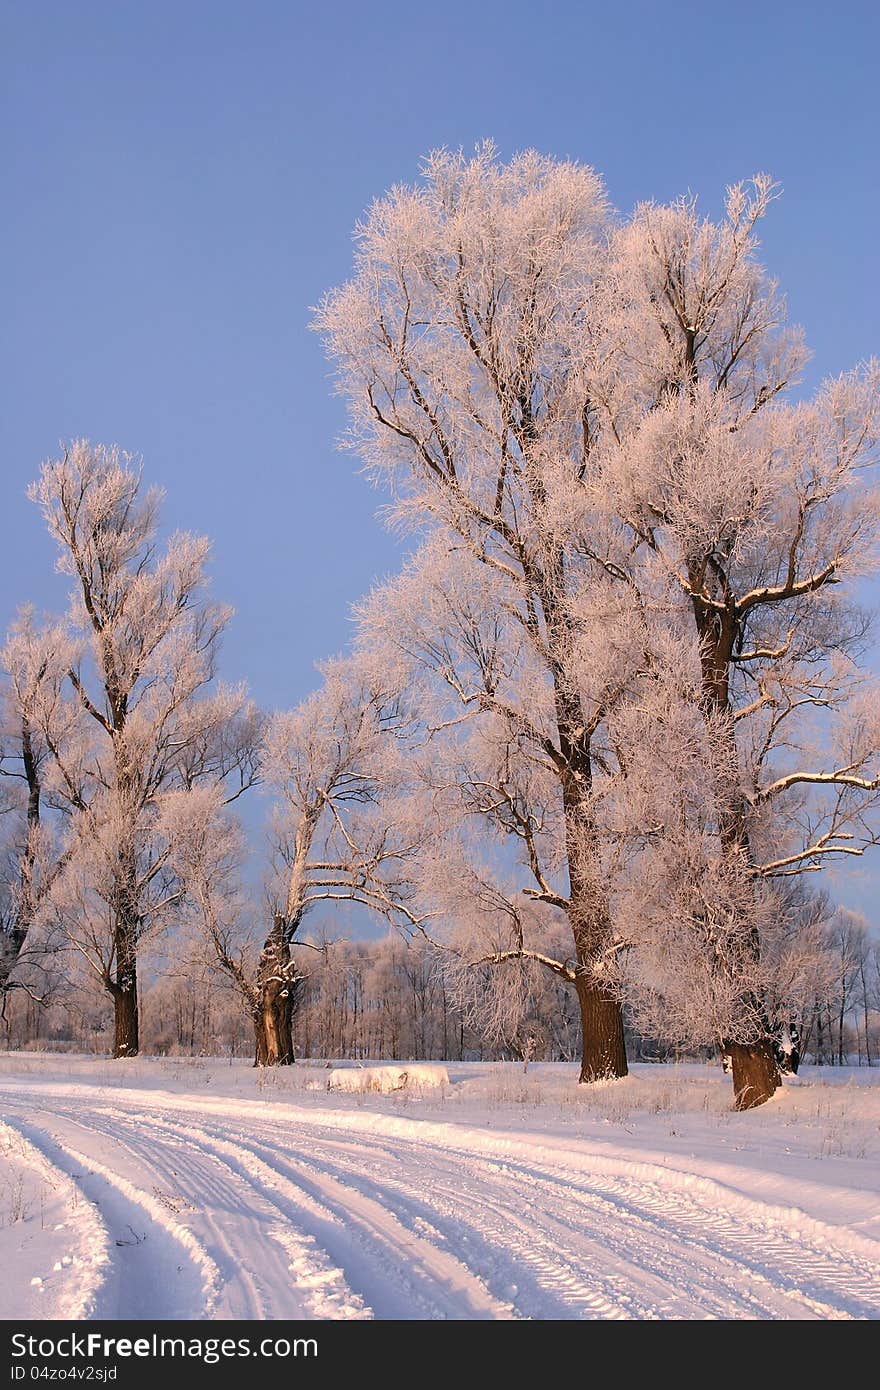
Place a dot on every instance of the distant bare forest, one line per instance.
(383, 999)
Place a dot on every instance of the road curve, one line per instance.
(227, 1209)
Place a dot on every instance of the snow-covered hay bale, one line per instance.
(411, 1077)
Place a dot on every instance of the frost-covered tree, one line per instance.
(123, 702)
(849, 947)
(594, 414)
(496, 879)
(343, 831)
(29, 860)
(460, 345)
(763, 514)
(343, 826)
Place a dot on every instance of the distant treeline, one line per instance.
(384, 998)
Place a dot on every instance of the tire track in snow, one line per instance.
(403, 1274)
(449, 1222)
(737, 1262)
(639, 1268)
(156, 1268)
(795, 1256)
(81, 1241)
(562, 1270)
(260, 1268)
(537, 1278)
(805, 1267)
(254, 1231)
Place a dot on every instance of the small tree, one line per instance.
(342, 831)
(29, 861)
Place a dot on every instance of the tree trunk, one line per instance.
(273, 1031)
(14, 936)
(603, 1049)
(755, 1073)
(754, 1066)
(125, 1020)
(603, 1052)
(273, 1021)
(124, 988)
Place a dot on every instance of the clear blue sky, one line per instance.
(181, 181)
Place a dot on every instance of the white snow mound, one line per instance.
(412, 1077)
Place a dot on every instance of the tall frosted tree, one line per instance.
(595, 413)
(460, 343)
(126, 711)
(762, 513)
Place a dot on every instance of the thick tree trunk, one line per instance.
(273, 1032)
(124, 991)
(124, 988)
(273, 1020)
(603, 1053)
(125, 1021)
(603, 1050)
(755, 1073)
(755, 1068)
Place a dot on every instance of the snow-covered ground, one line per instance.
(199, 1189)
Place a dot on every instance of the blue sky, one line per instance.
(181, 181)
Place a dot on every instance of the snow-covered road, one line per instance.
(187, 1206)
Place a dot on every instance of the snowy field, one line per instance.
(199, 1189)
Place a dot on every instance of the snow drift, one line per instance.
(414, 1077)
